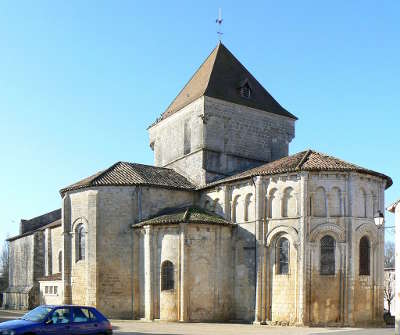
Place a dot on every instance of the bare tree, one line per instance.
(388, 289)
(389, 254)
(4, 269)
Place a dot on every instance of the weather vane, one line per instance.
(219, 23)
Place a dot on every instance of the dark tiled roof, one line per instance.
(308, 160)
(187, 215)
(128, 174)
(220, 76)
(53, 277)
(54, 224)
(48, 220)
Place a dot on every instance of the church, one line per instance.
(226, 226)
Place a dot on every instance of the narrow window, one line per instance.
(319, 205)
(55, 289)
(283, 256)
(327, 255)
(364, 256)
(289, 203)
(247, 207)
(167, 276)
(235, 205)
(273, 204)
(187, 134)
(363, 203)
(46, 289)
(245, 91)
(81, 243)
(60, 262)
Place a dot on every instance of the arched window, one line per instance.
(235, 205)
(327, 255)
(60, 262)
(167, 276)
(364, 256)
(247, 206)
(289, 203)
(81, 243)
(335, 202)
(363, 203)
(207, 205)
(273, 204)
(319, 202)
(283, 256)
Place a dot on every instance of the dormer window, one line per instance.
(245, 90)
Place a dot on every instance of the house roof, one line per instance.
(187, 215)
(392, 207)
(308, 160)
(53, 224)
(221, 76)
(130, 174)
(52, 277)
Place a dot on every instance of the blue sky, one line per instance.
(80, 81)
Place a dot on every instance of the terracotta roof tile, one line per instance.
(308, 160)
(188, 215)
(127, 174)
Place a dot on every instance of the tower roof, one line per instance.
(221, 76)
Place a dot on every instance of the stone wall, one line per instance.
(202, 260)
(304, 207)
(180, 150)
(214, 138)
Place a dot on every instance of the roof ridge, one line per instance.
(101, 174)
(306, 155)
(188, 82)
(147, 165)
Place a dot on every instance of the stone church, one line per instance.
(225, 226)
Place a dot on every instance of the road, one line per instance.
(129, 327)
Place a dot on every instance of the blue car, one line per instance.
(60, 320)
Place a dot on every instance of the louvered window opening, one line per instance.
(245, 91)
(327, 256)
(364, 256)
(167, 276)
(283, 256)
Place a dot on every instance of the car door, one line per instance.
(59, 322)
(83, 322)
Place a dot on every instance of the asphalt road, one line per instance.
(128, 327)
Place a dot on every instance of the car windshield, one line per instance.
(38, 314)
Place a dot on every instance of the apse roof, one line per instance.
(188, 215)
(130, 174)
(308, 160)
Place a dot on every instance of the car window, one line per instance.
(37, 314)
(81, 315)
(92, 316)
(60, 315)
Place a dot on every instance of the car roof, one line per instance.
(57, 306)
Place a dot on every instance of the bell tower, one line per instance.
(222, 122)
